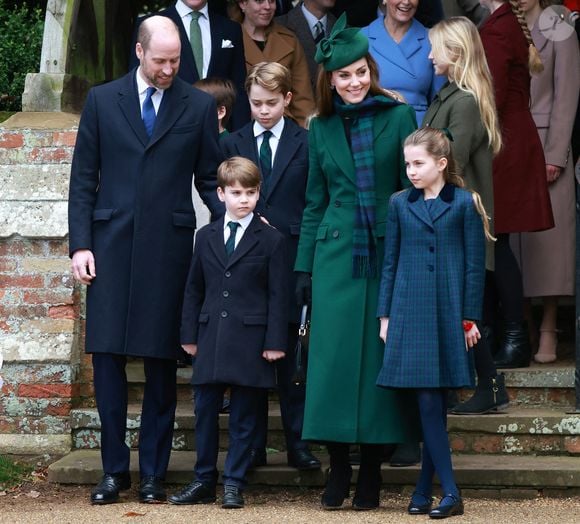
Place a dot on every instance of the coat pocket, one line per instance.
(380, 229)
(255, 320)
(103, 214)
(190, 128)
(184, 219)
(321, 232)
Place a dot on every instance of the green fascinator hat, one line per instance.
(342, 47)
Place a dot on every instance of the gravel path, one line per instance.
(47, 503)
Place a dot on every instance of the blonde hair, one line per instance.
(325, 94)
(437, 145)
(456, 42)
(534, 61)
(272, 76)
(238, 169)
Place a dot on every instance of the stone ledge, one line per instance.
(37, 182)
(35, 444)
(42, 120)
(34, 219)
(38, 347)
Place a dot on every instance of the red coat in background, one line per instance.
(520, 186)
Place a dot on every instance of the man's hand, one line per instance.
(191, 349)
(273, 354)
(83, 266)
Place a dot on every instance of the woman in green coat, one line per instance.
(356, 163)
(465, 105)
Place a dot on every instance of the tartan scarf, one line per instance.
(364, 242)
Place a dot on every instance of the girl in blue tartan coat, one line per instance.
(430, 295)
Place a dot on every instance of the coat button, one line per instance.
(224, 314)
(337, 203)
(226, 294)
(335, 233)
(431, 249)
(228, 274)
(430, 268)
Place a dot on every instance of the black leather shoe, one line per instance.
(194, 493)
(257, 458)
(449, 506)
(337, 488)
(303, 460)
(419, 508)
(151, 490)
(107, 490)
(233, 498)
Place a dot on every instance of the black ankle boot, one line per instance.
(490, 395)
(368, 484)
(338, 484)
(515, 350)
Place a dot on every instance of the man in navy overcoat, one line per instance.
(131, 225)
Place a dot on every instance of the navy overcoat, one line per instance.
(432, 279)
(130, 204)
(236, 308)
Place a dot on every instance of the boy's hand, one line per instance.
(273, 354)
(384, 328)
(471, 336)
(190, 349)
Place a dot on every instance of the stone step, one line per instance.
(473, 472)
(518, 431)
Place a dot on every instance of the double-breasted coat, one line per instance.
(521, 200)
(235, 308)
(432, 279)
(457, 111)
(554, 100)
(343, 403)
(283, 47)
(130, 204)
(282, 196)
(405, 67)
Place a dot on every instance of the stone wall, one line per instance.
(39, 304)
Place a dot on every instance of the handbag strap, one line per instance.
(303, 321)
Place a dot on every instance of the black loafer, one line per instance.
(194, 493)
(257, 458)
(233, 498)
(303, 459)
(449, 506)
(420, 509)
(107, 490)
(151, 490)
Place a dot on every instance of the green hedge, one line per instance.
(21, 29)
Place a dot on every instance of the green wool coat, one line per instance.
(343, 403)
(457, 110)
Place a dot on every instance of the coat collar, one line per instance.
(248, 241)
(439, 207)
(447, 194)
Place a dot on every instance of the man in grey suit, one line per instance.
(311, 20)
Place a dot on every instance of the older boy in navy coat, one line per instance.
(234, 322)
(280, 148)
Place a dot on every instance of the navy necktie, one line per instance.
(231, 241)
(319, 32)
(149, 111)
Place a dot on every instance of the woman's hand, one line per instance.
(384, 328)
(471, 336)
(552, 172)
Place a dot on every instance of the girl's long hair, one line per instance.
(325, 94)
(437, 145)
(456, 43)
(534, 61)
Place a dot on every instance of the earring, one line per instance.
(332, 86)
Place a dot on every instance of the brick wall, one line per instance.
(39, 304)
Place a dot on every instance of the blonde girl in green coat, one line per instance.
(466, 106)
(355, 164)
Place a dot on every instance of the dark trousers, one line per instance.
(244, 402)
(291, 401)
(157, 413)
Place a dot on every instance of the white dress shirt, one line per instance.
(142, 90)
(244, 223)
(185, 14)
(312, 21)
(274, 139)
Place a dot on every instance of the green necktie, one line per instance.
(231, 241)
(196, 42)
(266, 156)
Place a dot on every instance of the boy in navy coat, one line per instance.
(280, 147)
(234, 322)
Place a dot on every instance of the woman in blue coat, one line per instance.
(431, 294)
(400, 47)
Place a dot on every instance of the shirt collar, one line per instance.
(311, 19)
(184, 11)
(142, 86)
(276, 129)
(244, 222)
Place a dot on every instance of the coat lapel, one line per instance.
(248, 241)
(172, 106)
(337, 145)
(129, 106)
(287, 147)
(439, 207)
(216, 242)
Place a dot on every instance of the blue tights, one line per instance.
(436, 453)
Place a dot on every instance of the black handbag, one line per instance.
(301, 349)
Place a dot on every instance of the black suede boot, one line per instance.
(368, 484)
(490, 396)
(338, 483)
(515, 350)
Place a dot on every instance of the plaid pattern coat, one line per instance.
(432, 279)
